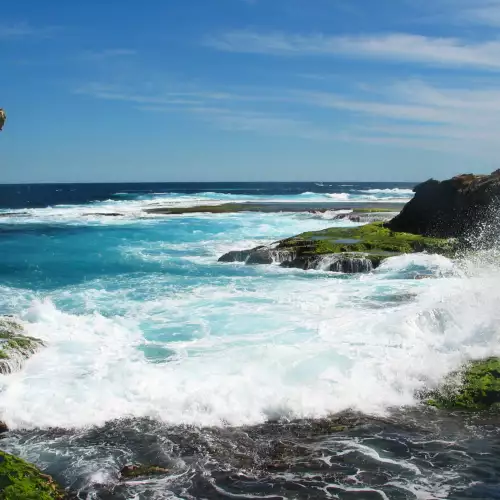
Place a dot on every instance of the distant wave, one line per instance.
(338, 196)
(397, 191)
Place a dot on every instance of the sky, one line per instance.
(248, 90)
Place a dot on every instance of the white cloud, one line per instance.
(108, 54)
(390, 110)
(239, 120)
(480, 12)
(116, 93)
(24, 30)
(450, 52)
(408, 114)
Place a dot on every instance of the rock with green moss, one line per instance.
(475, 387)
(136, 471)
(20, 480)
(15, 347)
(342, 249)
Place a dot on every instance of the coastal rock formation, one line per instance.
(348, 250)
(457, 207)
(135, 471)
(475, 387)
(362, 215)
(15, 347)
(21, 480)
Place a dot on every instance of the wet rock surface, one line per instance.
(457, 207)
(15, 346)
(348, 250)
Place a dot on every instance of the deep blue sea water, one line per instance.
(156, 352)
(43, 195)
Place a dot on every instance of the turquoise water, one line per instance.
(147, 332)
(141, 320)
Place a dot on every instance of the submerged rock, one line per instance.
(367, 216)
(15, 347)
(455, 207)
(103, 214)
(135, 471)
(347, 250)
(20, 480)
(475, 387)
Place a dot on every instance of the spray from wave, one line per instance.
(335, 348)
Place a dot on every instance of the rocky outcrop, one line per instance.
(361, 215)
(15, 347)
(21, 480)
(475, 387)
(457, 207)
(347, 250)
(137, 471)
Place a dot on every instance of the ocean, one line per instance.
(229, 375)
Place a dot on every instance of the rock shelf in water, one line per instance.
(349, 250)
(273, 207)
(142, 471)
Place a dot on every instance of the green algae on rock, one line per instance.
(371, 238)
(135, 471)
(276, 207)
(475, 387)
(348, 250)
(20, 480)
(15, 347)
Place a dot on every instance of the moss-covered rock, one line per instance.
(475, 387)
(370, 238)
(352, 249)
(20, 480)
(15, 347)
(272, 207)
(135, 471)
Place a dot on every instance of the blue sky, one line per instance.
(248, 90)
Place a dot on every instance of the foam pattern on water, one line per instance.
(140, 320)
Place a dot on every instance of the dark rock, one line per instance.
(353, 217)
(236, 256)
(135, 471)
(260, 256)
(3, 428)
(340, 263)
(15, 214)
(109, 214)
(457, 207)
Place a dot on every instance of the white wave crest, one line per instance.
(395, 191)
